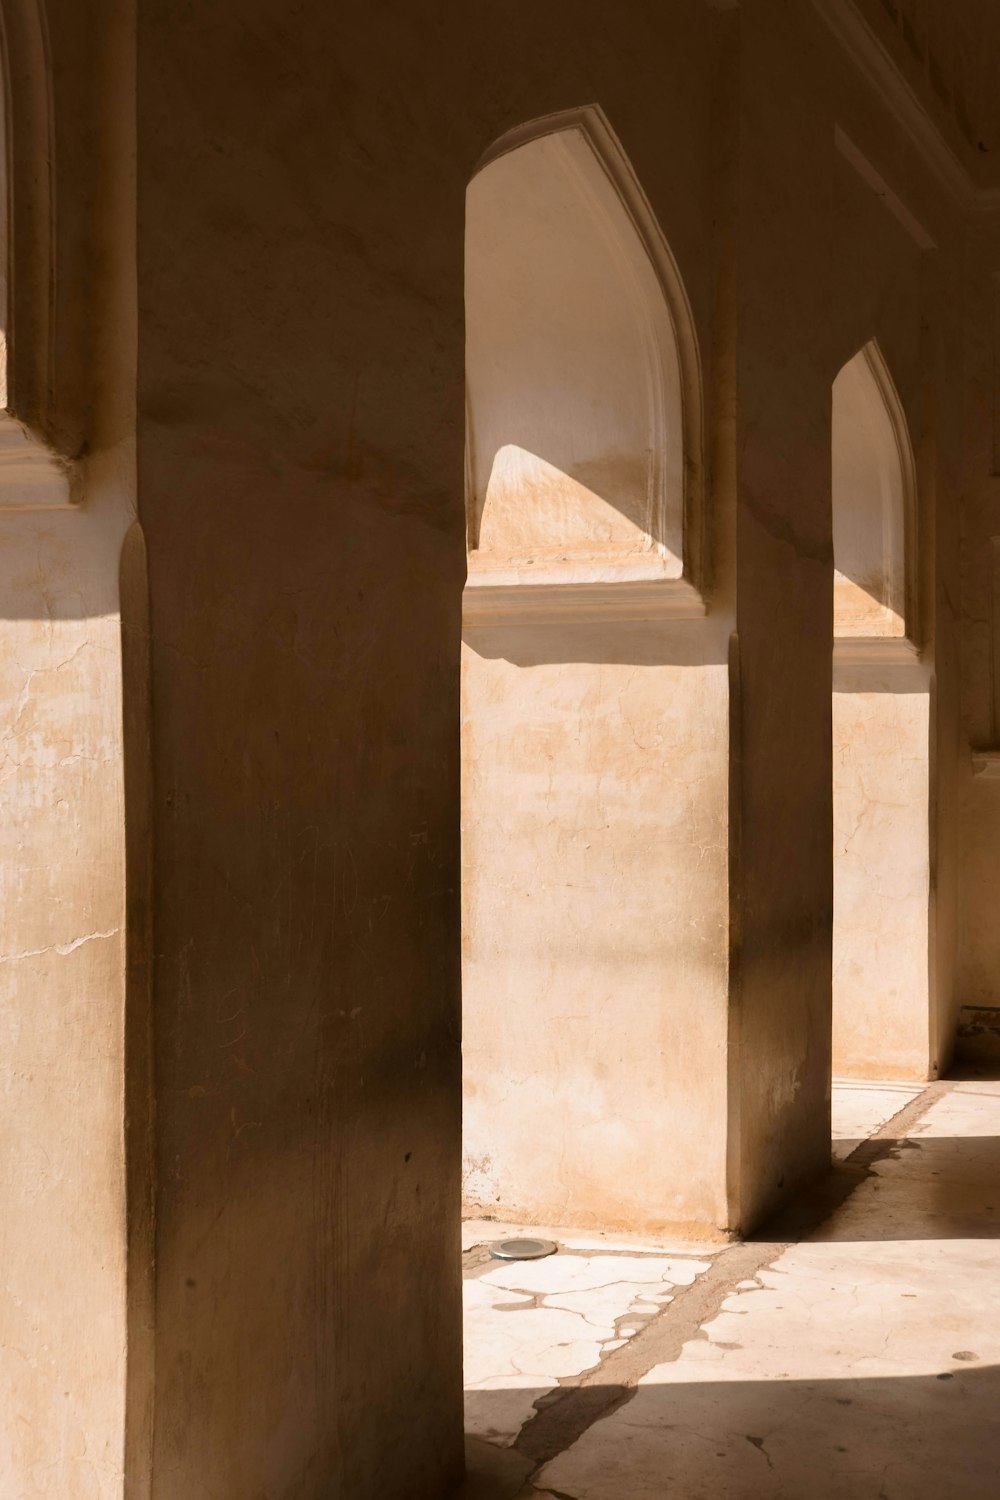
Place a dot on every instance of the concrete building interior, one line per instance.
(500, 573)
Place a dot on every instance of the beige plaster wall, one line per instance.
(62, 972)
(300, 439)
(881, 878)
(64, 1321)
(595, 926)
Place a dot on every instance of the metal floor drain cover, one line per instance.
(522, 1249)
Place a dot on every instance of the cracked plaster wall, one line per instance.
(64, 1326)
(62, 974)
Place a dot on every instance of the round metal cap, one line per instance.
(522, 1249)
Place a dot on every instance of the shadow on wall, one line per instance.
(897, 1438)
(631, 643)
(60, 564)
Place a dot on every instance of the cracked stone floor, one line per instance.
(849, 1352)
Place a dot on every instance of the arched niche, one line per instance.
(583, 386)
(32, 474)
(873, 503)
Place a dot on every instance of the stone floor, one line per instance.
(853, 1354)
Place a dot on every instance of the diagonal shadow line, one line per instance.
(564, 1414)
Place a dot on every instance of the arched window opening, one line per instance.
(582, 383)
(872, 501)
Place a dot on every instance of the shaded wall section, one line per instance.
(780, 1047)
(300, 476)
(978, 801)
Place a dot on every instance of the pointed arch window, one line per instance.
(583, 388)
(873, 503)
